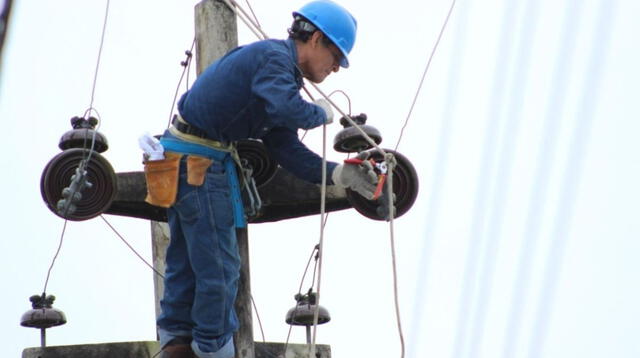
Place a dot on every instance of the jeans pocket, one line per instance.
(219, 192)
(188, 204)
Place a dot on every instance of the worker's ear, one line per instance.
(316, 38)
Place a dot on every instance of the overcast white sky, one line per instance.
(524, 137)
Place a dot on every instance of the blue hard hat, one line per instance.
(335, 22)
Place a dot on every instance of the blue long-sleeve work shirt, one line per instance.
(254, 92)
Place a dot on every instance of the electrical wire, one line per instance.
(95, 75)
(67, 207)
(330, 94)
(5, 14)
(46, 281)
(486, 170)
(187, 82)
(87, 159)
(578, 143)
(186, 64)
(131, 247)
(314, 252)
(306, 269)
(88, 154)
(506, 142)
(345, 95)
(552, 123)
(424, 74)
(255, 308)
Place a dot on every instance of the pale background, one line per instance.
(523, 241)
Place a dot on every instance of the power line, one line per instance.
(539, 189)
(186, 64)
(87, 158)
(46, 281)
(131, 247)
(571, 180)
(95, 75)
(494, 116)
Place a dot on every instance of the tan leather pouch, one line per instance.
(162, 179)
(196, 169)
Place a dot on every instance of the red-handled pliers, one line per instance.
(382, 175)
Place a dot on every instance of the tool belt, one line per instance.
(184, 139)
(185, 131)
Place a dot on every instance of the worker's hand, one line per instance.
(358, 177)
(326, 106)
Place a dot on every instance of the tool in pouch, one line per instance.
(250, 195)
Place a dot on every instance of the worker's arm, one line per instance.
(276, 84)
(286, 149)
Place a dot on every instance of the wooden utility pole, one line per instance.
(216, 33)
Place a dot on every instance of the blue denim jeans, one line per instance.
(202, 266)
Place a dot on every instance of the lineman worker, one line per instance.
(251, 92)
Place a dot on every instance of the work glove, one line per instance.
(326, 106)
(358, 177)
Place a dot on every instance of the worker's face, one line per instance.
(324, 60)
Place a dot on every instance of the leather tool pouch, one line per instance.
(196, 169)
(162, 179)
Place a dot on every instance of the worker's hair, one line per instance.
(302, 29)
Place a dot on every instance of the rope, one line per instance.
(255, 28)
(255, 18)
(391, 164)
(323, 192)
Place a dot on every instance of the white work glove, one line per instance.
(326, 106)
(151, 146)
(358, 177)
